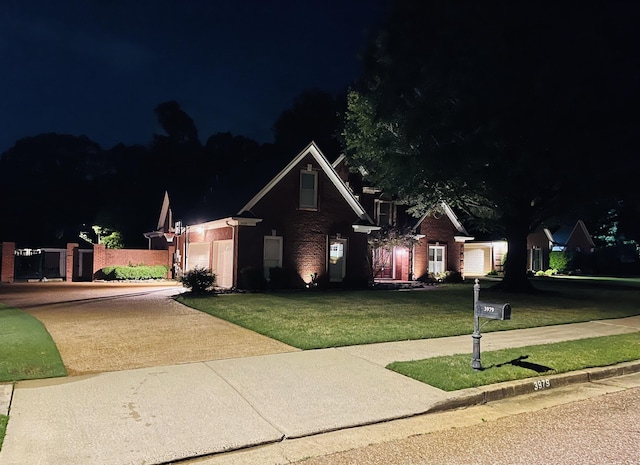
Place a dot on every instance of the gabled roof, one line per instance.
(165, 221)
(313, 150)
(581, 227)
(452, 217)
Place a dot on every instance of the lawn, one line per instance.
(3, 428)
(28, 352)
(319, 319)
(454, 372)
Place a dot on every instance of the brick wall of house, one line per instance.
(438, 231)
(7, 262)
(197, 234)
(305, 233)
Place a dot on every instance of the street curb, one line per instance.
(493, 392)
(6, 392)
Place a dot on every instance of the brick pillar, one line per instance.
(72, 249)
(7, 265)
(171, 272)
(99, 257)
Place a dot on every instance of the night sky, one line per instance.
(99, 67)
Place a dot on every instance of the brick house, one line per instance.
(310, 225)
(304, 228)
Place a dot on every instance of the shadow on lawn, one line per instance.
(520, 362)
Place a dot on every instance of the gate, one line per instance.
(42, 264)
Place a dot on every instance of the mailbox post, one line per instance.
(492, 311)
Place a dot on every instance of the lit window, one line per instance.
(308, 189)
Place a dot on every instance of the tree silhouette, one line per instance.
(503, 109)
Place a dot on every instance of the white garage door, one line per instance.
(199, 255)
(474, 262)
(223, 262)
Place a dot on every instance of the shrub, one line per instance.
(452, 277)
(252, 279)
(278, 278)
(198, 280)
(559, 261)
(140, 272)
(448, 277)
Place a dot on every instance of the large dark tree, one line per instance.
(512, 111)
(47, 183)
(314, 116)
(175, 158)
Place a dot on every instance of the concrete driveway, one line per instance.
(100, 327)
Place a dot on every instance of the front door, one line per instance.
(337, 260)
(382, 263)
(436, 259)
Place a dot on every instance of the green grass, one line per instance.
(451, 373)
(28, 352)
(3, 428)
(319, 319)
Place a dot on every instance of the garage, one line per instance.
(474, 261)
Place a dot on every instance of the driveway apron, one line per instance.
(100, 327)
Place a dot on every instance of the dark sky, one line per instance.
(100, 67)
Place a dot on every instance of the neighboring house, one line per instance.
(573, 239)
(483, 257)
(539, 244)
(303, 228)
(165, 232)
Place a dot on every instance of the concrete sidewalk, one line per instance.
(163, 414)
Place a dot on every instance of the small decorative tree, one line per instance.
(389, 237)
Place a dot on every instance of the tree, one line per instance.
(502, 109)
(176, 123)
(179, 146)
(314, 116)
(47, 182)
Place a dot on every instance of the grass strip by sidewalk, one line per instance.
(314, 320)
(3, 428)
(27, 349)
(451, 373)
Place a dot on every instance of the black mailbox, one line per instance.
(493, 311)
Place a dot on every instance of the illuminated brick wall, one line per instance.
(439, 231)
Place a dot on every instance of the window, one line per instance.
(272, 254)
(385, 213)
(436, 259)
(536, 259)
(308, 189)
(337, 260)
